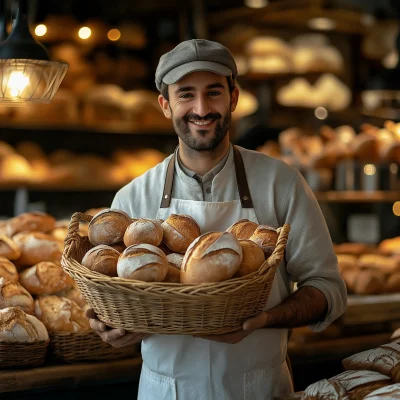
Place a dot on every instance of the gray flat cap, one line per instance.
(194, 55)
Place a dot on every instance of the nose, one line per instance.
(201, 106)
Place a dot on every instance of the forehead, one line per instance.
(200, 79)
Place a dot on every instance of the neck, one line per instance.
(202, 162)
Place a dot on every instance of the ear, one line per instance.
(164, 104)
(234, 98)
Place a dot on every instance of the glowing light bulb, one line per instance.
(17, 83)
(84, 33)
(41, 30)
(114, 34)
(256, 3)
(396, 209)
(369, 169)
(322, 24)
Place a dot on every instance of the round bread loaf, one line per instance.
(266, 237)
(143, 230)
(253, 257)
(243, 229)
(174, 268)
(179, 232)
(12, 294)
(45, 278)
(59, 314)
(102, 259)
(73, 293)
(8, 270)
(30, 221)
(18, 327)
(108, 227)
(212, 257)
(143, 262)
(8, 248)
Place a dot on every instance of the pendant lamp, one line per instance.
(26, 72)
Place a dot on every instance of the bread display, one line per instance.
(18, 327)
(45, 278)
(266, 237)
(108, 227)
(8, 248)
(390, 392)
(212, 257)
(143, 230)
(253, 257)
(102, 259)
(390, 246)
(13, 294)
(59, 314)
(243, 229)
(179, 231)
(8, 270)
(174, 268)
(31, 221)
(143, 262)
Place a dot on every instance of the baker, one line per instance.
(218, 184)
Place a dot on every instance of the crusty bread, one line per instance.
(18, 327)
(390, 392)
(13, 294)
(8, 248)
(266, 237)
(8, 270)
(212, 257)
(179, 231)
(143, 262)
(60, 314)
(102, 259)
(45, 277)
(243, 229)
(253, 257)
(324, 390)
(108, 227)
(369, 282)
(174, 267)
(30, 221)
(143, 230)
(382, 263)
(346, 261)
(73, 293)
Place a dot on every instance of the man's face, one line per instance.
(200, 106)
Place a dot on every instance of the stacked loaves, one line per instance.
(174, 250)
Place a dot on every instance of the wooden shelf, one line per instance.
(358, 196)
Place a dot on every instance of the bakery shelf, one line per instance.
(358, 196)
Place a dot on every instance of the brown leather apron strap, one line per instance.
(241, 179)
(169, 182)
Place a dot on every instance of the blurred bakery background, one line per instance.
(320, 89)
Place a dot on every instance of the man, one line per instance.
(210, 181)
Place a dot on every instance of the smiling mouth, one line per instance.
(202, 123)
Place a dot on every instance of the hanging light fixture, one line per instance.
(26, 72)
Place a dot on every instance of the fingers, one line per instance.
(127, 339)
(94, 322)
(112, 335)
(257, 322)
(90, 313)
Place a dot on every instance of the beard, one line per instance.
(182, 128)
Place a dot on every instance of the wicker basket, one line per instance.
(17, 355)
(86, 346)
(170, 308)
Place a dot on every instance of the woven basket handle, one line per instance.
(277, 255)
(73, 230)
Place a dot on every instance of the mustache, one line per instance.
(208, 117)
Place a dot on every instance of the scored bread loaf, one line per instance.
(8, 248)
(212, 257)
(243, 229)
(13, 294)
(143, 230)
(8, 270)
(30, 221)
(102, 259)
(266, 237)
(45, 277)
(253, 257)
(108, 227)
(18, 327)
(324, 390)
(390, 392)
(174, 268)
(143, 262)
(179, 231)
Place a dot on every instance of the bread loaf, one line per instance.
(12, 294)
(179, 231)
(59, 314)
(390, 246)
(36, 247)
(174, 268)
(253, 257)
(143, 262)
(73, 293)
(346, 261)
(266, 237)
(390, 392)
(8, 270)
(30, 221)
(243, 229)
(325, 390)
(369, 282)
(8, 248)
(392, 284)
(108, 227)
(18, 327)
(102, 259)
(143, 230)
(212, 257)
(382, 263)
(45, 277)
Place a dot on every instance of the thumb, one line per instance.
(257, 322)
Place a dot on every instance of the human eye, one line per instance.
(186, 95)
(214, 93)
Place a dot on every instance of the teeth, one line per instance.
(201, 122)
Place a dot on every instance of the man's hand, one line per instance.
(115, 337)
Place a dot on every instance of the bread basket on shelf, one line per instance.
(86, 346)
(17, 355)
(170, 308)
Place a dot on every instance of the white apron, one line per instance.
(182, 367)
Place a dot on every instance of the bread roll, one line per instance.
(8, 248)
(243, 229)
(31, 221)
(59, 314)
(18, 327)
(390, 392)
(253, 257)
(45, 278)
(324, 390)
(8, 270)
(108, 227)
(212, 257)
(369, 282)
(349, 276)
(174, 268)
(392, 283)
(355, 249)
(179, 232)
(387, 265)
(73, 293)
(36, 247)
(390, 246)
(143, 230)
(12, 294)
(266, 237)
(346, 261)
(143, 262)
(102, 259)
